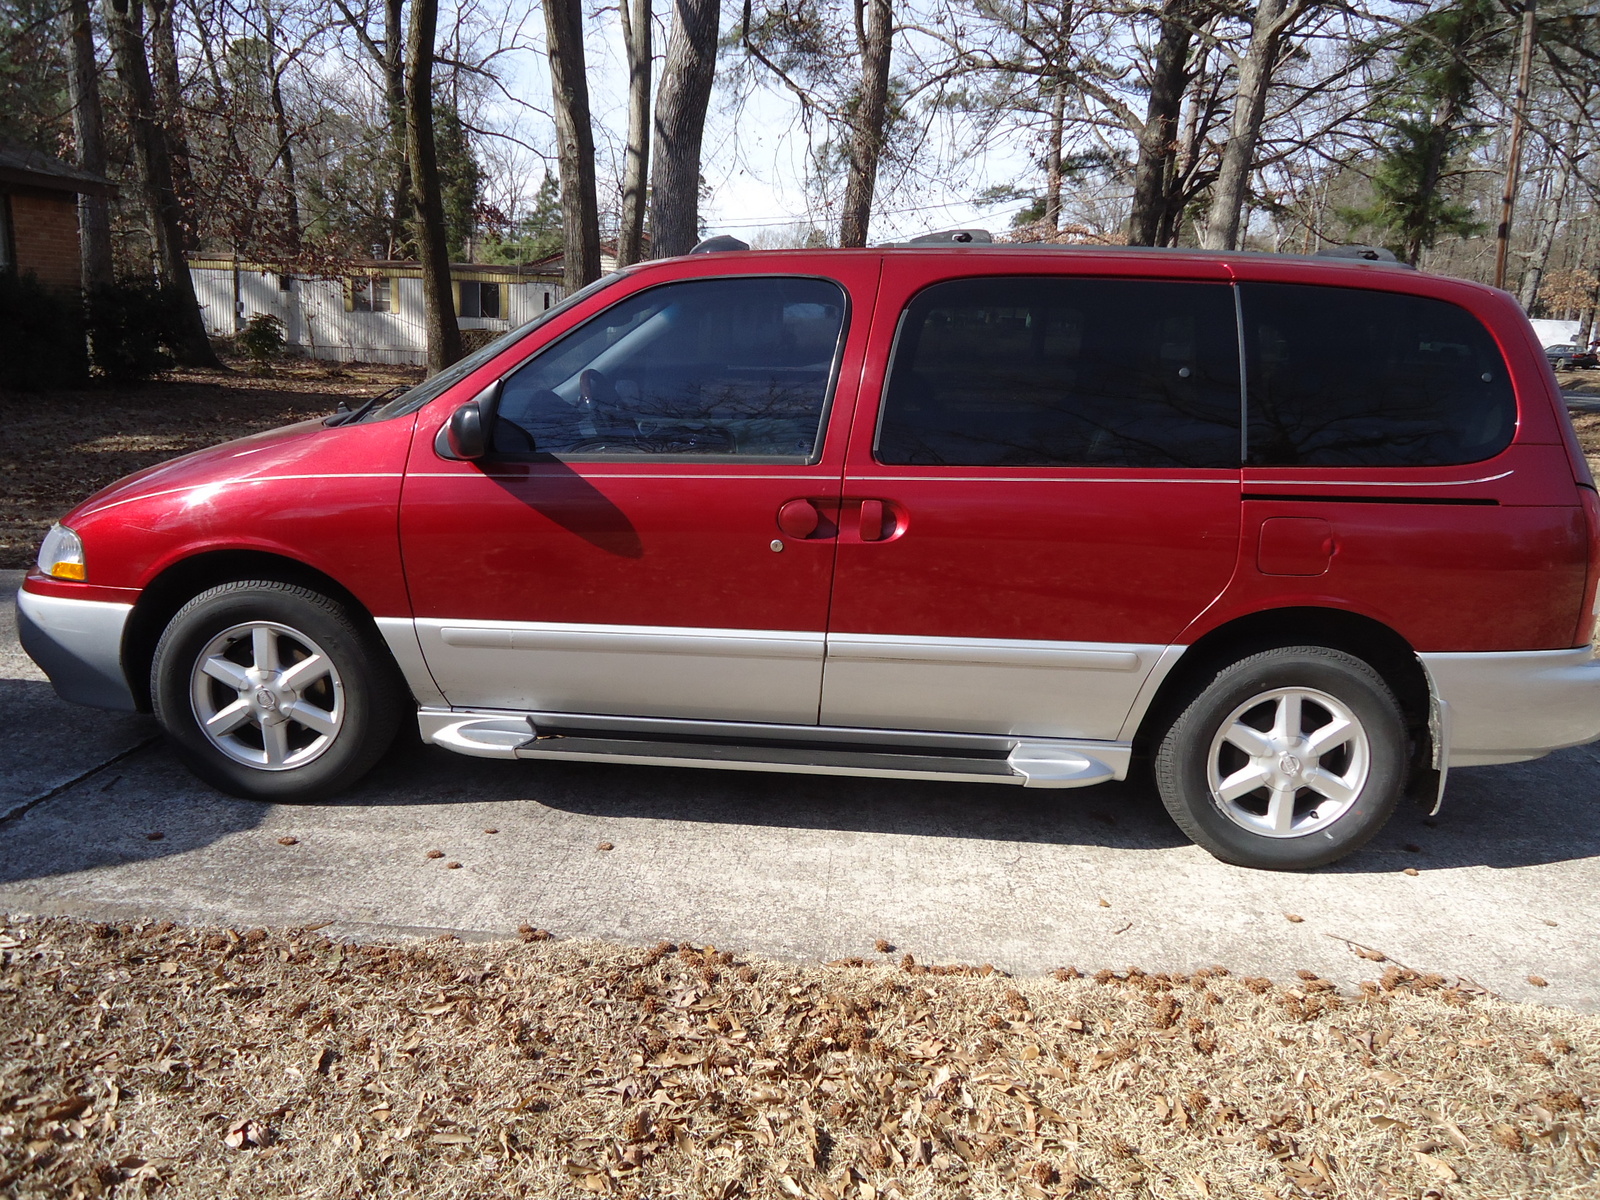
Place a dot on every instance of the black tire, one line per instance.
(1320, 828)
(355, 695)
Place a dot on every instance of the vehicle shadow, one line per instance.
(1521, 815)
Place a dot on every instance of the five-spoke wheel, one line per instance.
(1287, 759)
(275, 691)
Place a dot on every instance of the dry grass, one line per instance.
(184, 1063)
(56, 448)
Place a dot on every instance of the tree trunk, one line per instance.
(88, 130)
(394, 103)
(636, 18)
(1249, 107)
(680, 125)
(1052, 171)
(1539, 261)
(1158, 140)
(169, 96)
(876, 42)
(125, 23)
(569, 80)
(444, 335)
(280, 129)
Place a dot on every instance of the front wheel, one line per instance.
(1289, 759)
(272, 691)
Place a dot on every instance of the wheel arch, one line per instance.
(160, 600)
(1370, 640)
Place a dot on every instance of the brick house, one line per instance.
(39, 215)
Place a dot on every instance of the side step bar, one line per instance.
(894, 754)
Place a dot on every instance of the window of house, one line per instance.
(370, 293)
(1023, 371)
(707, 367)
(1344, 377)
(479, 299)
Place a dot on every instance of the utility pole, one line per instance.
(1508, 198)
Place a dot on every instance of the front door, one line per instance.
(621, 552)
(1045, 496)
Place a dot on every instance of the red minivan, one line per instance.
(1299, 534)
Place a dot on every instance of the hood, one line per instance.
(259, 454)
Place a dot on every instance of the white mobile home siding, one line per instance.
(316, 320)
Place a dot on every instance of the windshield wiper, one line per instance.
(345, 415)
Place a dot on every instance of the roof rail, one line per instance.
(718, 244)
(1369, 253)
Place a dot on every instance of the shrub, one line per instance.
(261, 339)
(41, 336)
(131, 328)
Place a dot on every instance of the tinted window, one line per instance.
(1340, 377)
(738, 366)
(1025, 372)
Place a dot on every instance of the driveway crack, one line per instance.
(26, 806)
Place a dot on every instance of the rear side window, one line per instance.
(1345, 378)
(1022, 371)
(737, 366)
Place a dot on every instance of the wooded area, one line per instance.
(1458, 133)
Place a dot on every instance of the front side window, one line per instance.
(1026, 371)
(739, 366)
(1348, 378)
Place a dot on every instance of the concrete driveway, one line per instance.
(100, 821)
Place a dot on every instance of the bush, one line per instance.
(261, 339)
(131, 328)
(41, 337)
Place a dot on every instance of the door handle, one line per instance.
(871, 523)
(878, 520)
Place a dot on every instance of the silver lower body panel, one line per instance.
(78, 644)
(1515, 706)
(743, 746)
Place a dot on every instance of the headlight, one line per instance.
(61, 555)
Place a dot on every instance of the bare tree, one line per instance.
(680, 127)
(1272, 20)
(153, 159)
(636, 17)
(162, 40)
(580, 215)
(280, 129)
(444, 335)
(88, 130)
(875, 37)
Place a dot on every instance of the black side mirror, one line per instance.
(470, 433)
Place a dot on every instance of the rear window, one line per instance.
(1341, 377)
(1045, 372)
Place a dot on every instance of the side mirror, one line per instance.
(470, 433)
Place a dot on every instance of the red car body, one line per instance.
(1483, 572)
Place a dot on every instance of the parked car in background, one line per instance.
(1297, 536)
(1568, 357)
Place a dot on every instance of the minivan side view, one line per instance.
(1294, 535)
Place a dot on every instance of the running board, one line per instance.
(893, 754)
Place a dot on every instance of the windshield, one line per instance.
(437, 385)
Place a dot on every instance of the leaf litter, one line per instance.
(161, 1060)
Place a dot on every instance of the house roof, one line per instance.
(27, 167)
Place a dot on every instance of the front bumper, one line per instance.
(1511, 707)
(78, 643)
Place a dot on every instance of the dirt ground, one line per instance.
(207, 1063)
(56, 448)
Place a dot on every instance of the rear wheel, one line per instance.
(273, 691)
(1289, 759)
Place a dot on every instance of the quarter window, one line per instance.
(1047, 372)
(1343, 377)
(716, 367)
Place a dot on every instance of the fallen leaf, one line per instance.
(154, 837)
(1438, 1166)
(491, 831)
(1538, 981)
(435, 854)
(288, 841)
(452, 866)
(450, 1139)
(1296, 918)
(248, 1132)
(1411, 871)
(1104, 903)
(606, 846)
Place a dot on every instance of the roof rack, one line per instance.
(718, 244)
